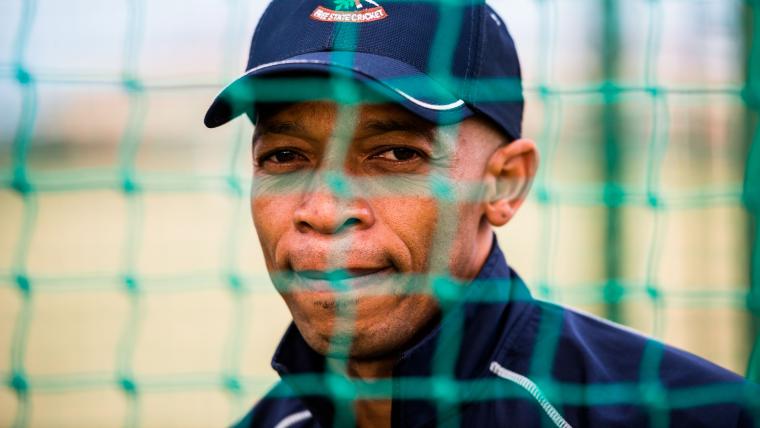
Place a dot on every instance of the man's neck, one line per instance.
(371, 369)
(369, 413)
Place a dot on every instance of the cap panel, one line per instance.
(286, 31)
(496, 38)
(496, 90)
(401, 35)
(409, 27)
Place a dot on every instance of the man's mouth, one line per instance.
(339, 280)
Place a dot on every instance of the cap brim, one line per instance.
(390, 79)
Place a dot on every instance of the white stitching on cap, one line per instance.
(437, 107)
(440, 107)
(287, 61)
(293, 419)
(496, 19)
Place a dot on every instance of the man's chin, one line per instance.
(374, 335)
(332, 329)
(340, 345)
(344, 347)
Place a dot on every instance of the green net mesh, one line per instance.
(650, 165)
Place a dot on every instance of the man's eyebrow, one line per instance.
(276, 127)
(279, 127)
(424, 130)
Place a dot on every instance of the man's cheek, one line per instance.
(271, 219)
(413, 220)
(272, 213)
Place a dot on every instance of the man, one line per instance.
(384, 152)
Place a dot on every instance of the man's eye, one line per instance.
(283, 157)
(282, 161)
(399, 154)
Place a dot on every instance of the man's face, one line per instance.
(347, 205)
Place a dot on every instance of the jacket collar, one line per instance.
(471, 332)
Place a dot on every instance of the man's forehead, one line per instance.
(317, 115)
(322, 109)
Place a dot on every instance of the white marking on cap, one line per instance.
(429, 106)
(293, 419)
(496, 18)
(437, 107)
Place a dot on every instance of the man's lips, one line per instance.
(338, 274)
(342, 279)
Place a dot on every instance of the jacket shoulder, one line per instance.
(593, 352)
(618, 353)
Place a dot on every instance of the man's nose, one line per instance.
(324, 212)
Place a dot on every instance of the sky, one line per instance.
(76, 48)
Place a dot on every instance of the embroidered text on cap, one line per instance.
(350, 11)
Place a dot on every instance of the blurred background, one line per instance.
(132, 289)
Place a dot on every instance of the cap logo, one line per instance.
(350, 11)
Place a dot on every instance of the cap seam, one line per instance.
(289, 56)
(472, 44)
(482, 35)
(331, 49)
(331, 39)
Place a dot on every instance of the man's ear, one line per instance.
(509, 174)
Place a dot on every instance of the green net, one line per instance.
(650, 165)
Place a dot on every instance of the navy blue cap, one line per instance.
(443, 60)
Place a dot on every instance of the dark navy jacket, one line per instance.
(502, 359)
